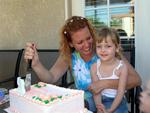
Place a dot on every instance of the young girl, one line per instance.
(110, 66)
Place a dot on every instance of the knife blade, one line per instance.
(28, 76)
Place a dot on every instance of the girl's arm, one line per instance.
(97, 97)
(121, 88)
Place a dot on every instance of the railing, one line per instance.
(128, 46)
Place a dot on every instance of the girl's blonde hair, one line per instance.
(72, 25)
(106, 32)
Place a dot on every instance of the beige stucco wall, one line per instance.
(30, 20)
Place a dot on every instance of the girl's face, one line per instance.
(82, 41)
(106, 49)
(145, 99)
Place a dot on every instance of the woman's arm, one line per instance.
(100, 85)
(49, 76)
(133, 77)
(133, 81)
(54, 73)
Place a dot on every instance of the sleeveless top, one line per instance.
(108, 92)
(81, 72)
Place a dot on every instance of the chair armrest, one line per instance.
(138, 91)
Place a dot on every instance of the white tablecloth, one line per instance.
(7, 110)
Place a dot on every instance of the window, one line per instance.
(118, 14)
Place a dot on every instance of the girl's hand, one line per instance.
(31, 53)
(100, 108)
(110, 111)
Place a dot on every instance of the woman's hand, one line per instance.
(100, 85)
(97, 86)
(31, 53)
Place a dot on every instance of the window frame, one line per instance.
(109, 7)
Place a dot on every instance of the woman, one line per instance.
(77, 53)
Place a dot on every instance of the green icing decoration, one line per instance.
(46, 101)
(60, 97)
(52, 99)
(39, 86)
(33, 97)
(36, 98)
(39, 99)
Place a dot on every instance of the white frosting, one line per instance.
(21, 84)
(71, 101)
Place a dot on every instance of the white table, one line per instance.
(7, 110)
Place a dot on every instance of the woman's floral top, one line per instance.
(81, 72)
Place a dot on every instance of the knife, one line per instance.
(28, 76)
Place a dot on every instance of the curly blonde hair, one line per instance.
(72, 25)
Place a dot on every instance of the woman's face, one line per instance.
(145, 99)
(82, 41)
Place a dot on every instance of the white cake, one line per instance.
(46, 98)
